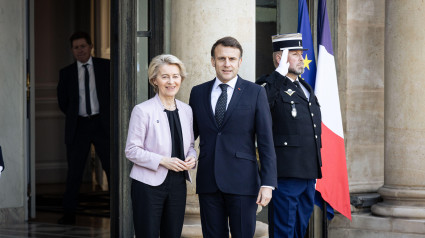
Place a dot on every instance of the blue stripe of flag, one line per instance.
(323, 31)
(304, 28)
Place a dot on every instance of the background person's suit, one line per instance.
(227, 160)
(68, 95)
(81, 132)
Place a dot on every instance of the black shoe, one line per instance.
(67, 219)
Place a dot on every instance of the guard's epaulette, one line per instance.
(263, 80)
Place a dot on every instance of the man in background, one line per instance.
(84, 97)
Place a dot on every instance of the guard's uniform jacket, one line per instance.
(296, 127)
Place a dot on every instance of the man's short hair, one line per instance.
(227, 41)
(80, 35)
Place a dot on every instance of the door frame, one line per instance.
(124, 94)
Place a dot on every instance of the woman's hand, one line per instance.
(190, 162)
(174, 164)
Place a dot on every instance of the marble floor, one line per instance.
(44, 226)
(45, 230)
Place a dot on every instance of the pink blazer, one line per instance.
(149, 139)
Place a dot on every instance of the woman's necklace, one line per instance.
(170, 107)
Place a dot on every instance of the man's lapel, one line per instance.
(207, 101)
(299, 90)
(74, 80)
(97, 75)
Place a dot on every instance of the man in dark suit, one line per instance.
(229, 114)
(297, 138)
(83, 96)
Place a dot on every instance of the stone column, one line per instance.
(404, 183)
(195, 26)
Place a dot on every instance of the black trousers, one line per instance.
(88, 131)
(159, 210)
(219, 211)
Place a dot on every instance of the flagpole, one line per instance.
(324, 221)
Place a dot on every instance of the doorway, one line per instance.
(52, 22)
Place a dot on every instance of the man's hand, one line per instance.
(173, 163)
(283, 64)
(264, 196)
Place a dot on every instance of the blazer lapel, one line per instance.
(97, 76)
(236, 96)
(74, 81)
(207, 101)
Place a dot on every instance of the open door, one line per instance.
(50, 24)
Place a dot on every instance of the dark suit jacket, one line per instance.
(68, 95)
(297, 139)
(227, 159)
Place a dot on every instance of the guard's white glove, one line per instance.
(283, 64)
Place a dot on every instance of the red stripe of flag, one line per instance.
(332, 186)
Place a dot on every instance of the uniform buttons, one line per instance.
(309, 103)
(315, 136)
(314, 125)
(292, 102)
(312, 114)
(285, 143)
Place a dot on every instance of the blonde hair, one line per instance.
(160, 60)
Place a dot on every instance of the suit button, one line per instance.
(285, 143)
(312, 114)
(314, 125)
(309, 103)
(292, 102)
(315, 136)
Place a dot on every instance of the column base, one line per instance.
(401, 203)
(366, 225)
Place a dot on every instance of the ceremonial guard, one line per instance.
(296, 132)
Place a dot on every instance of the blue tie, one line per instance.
(87, 89)
(220, 107)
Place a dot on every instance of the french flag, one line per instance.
(333, 186)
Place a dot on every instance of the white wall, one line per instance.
(13, 109)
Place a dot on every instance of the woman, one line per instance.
(160, 144)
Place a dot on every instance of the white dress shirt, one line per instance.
(81, 88)
(216, 91)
